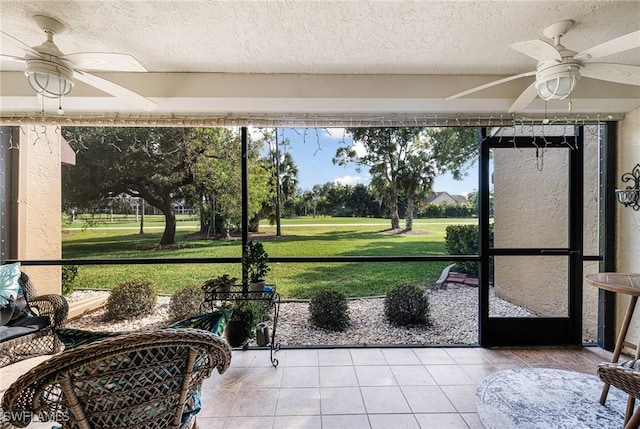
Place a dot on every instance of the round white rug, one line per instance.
(542, 398)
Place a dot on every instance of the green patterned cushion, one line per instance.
(9, 282)
(72, 338)
(213, 322)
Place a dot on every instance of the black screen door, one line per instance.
(531, 237)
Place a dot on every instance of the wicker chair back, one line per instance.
(136, 380)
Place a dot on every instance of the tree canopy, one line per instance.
(162, 166)
(151, 163)
(217, 190)
(405, 160)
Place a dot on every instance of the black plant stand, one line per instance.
(269, 300)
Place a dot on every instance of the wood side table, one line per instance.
(628, 284)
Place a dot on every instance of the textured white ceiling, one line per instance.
(422, 38)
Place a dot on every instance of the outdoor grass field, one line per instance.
(305, 236)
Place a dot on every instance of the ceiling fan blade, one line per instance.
(11, 58)
(490, 84)
(104, 61)
(620, 73)
(10, 40)
(527, 96)
(613, 46)
(115, 90)
(537, 49)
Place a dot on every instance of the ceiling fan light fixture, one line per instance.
(49, 78)
(556, 83)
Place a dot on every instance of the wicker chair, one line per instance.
(43, 341)
(135, 380)
(626, 377)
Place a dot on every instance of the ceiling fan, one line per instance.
(559, 68)
(51, 73)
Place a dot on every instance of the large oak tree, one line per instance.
(152, 163)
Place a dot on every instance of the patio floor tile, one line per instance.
(395, 421)
(427, 399)
(375, 376)
(298, 402)
(358, 387)
(338, 376)
(341, 400)
(351, 421)
(384, 400)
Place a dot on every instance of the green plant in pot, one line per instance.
(221, 286)
(256, 260)
(241, 325)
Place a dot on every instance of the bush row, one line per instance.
(404, 304)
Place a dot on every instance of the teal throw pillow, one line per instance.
(9, 282)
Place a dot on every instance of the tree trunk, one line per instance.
(395, 218)
(278, 190)
(211, 232)
(169, 234)
(142, 216)
(408, 216)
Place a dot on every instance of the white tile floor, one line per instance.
(367, 387)
(358, 387)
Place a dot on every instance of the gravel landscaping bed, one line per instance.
(454, 320)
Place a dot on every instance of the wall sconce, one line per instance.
(630, 196)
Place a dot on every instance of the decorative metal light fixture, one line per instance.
(48, 73)
(51, 78)
(557, 82)
(630, 196)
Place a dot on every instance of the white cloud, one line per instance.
(360, 150)
(336, 133)
(257, 133)
(350, 180)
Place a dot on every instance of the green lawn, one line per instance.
(322, 236)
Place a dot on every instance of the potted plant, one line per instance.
(220, 286)
(255, 259)
(241, 324)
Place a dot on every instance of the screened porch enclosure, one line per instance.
(545, 238)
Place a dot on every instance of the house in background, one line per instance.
(445, 198)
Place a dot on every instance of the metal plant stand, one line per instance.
(269, 300)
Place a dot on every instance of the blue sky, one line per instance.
(313, 149)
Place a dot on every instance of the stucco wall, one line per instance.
(591, 231)
(39, 202)
(628, 220)
(531, 210)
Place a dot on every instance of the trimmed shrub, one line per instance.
(69, 273)
(130, 299)
(406, 305)
(463, 240)
(185, 302)
(329, 309)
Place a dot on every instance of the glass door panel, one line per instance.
(530, 205)
(529, 287)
